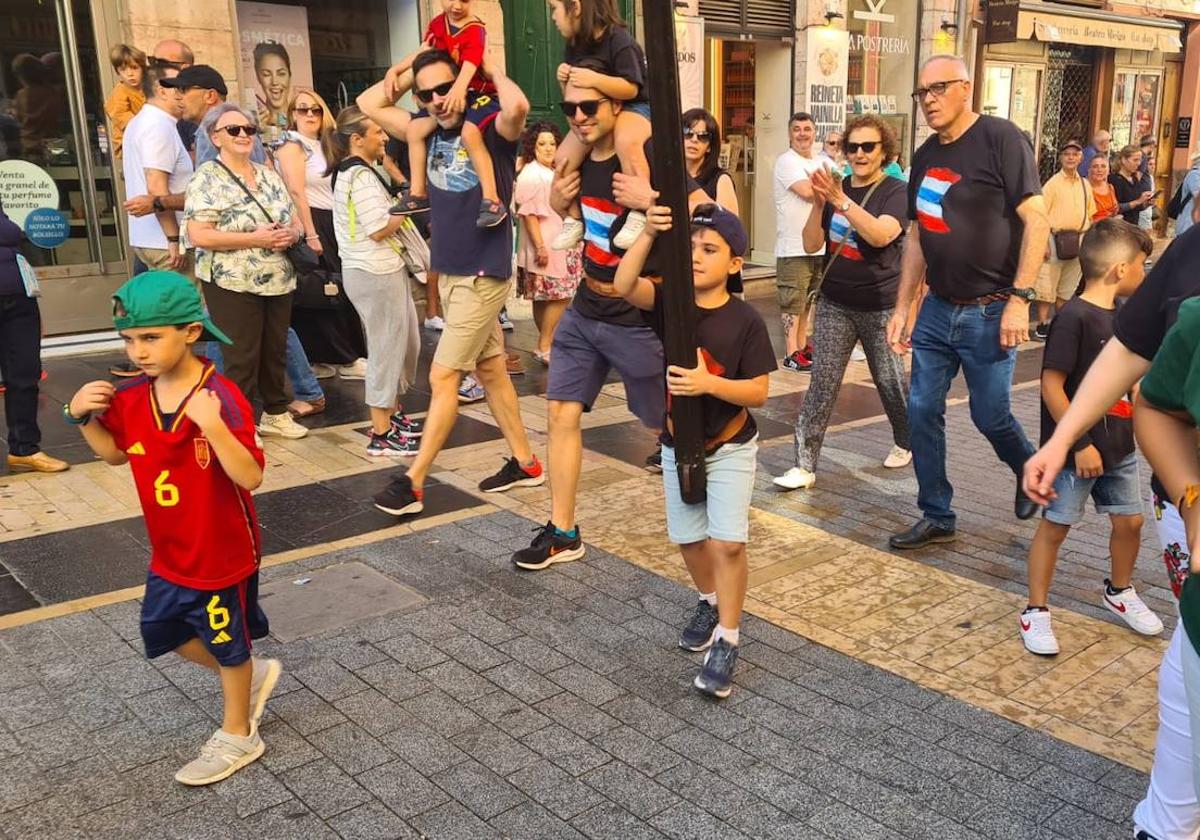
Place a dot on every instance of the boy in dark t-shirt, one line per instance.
(733, 363)
(1104, 463)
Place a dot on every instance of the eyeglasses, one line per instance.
(426, 96)
(937, 89)
(236, 130)
(700, 136)
(155, 61)
(834, 143)
(314, 111)
(589, 107)
(868, 146)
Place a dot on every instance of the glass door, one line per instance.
(56, 177)
(1135, 106)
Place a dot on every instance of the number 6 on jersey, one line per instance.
(165, 493)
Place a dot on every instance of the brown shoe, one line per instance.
(512, 363)
(37, 462)
(301, 408)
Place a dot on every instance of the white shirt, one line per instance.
(316, 182)
(152, 142)
(356, 248)
(791, 211)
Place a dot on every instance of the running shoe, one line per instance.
(549, 547)
(400, 498)
(506, 323)
(897, 458)
(393, 443)
(1037, 633)
(262, 682)
(513, 474)
(1040, 333)
(635, 223)
(409, 205)
(435, 323)
(221, 756)
(491, 213)
(697, 635)
(282, 425)
(406, 425)
(797, 362)
(716, 674)
(570, 235)
(470, 391)
(654, 460)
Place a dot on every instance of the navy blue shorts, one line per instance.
(640, 108)
(224, 619)
(482, 108)
(585, 350)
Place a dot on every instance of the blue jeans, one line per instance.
(304, 385)
(946, 338)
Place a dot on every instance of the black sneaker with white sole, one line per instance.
(549, 547)
(654, 460)
(513, 474)
(400, 498)
(716, 674)
(697, 634)
(406, 425)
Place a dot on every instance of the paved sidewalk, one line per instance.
(547, 705)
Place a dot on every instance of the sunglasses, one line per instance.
(314, 111)
(589, 107)
(692, 134)
(833, 142)
(426, 96)
(163, 62)
(236, 130)
(868, 146)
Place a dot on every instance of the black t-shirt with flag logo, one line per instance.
(964, 196)
(862, 276)
(736, 345)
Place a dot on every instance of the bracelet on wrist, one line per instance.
(72, 419)
(1190, 494)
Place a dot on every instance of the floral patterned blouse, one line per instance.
(214, 196)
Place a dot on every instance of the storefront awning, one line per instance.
(1092, 27)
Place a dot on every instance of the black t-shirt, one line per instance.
(622, 56)
(458, 246)
(736, 346)
(187, 134)
(1077, 335)
(864, 277)
(964, 195)
(1127, 191)
(1152, 310)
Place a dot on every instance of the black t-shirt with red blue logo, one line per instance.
(862, 276)
(964, 196)
(735, 344)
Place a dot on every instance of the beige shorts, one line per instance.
(1058, 279)
(159, 259)
(797, 280)
(470, 307)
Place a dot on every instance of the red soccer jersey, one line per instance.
(203, 528)
(467, 43)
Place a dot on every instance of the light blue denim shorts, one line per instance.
(1118, 492)
(725, 514)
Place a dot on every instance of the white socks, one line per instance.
(725, 633)
(711, 597)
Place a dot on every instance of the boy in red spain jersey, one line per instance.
(188, 436)
(464, 36)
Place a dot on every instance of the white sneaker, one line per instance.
(1133, 611)
(221, 756)
(570, 235)
(897, 458)
(282, 425)
(262, 683)
(795, 479)
(358, 370)
(635, 223)
(858, 354)
(1037, 634)
(323, 371)
(435, 323)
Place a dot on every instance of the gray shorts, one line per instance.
(585, 350)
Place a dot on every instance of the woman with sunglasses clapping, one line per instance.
(241, 221)
(861, 219)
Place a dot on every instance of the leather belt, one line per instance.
(981, 300)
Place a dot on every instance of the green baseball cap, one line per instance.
(162, 299)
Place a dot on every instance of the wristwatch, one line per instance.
(72, 419)
(158, 205)
(845, 205)
(1027, 294)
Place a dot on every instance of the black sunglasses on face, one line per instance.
(692, 134)
(236, 130)
(426, 96)
(314, 111)
(867, 146)
(588, 106)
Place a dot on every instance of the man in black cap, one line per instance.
(1069, 209)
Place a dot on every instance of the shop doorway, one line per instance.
(1067, 102)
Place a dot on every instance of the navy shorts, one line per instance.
(585, 350)
(482, 108)
(224, 619)
(642, 109)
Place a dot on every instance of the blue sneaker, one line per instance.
(406, 425)
(470, 391)
(697, 635)
(716, 674)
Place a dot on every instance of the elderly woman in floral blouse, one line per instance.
(241, 221)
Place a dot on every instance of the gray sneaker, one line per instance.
(266, 675)
(221, 756)
(698, 633)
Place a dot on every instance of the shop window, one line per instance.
(883, 45)
(56, 174)
(1011, 92)
(1135, 106)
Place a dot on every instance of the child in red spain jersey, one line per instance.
(188, 436)
(464, 36)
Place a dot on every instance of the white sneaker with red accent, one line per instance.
(1037, 633)
(1132, 610)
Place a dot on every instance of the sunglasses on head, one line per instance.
(236, 130)
(867, 146)
(426, 96)
(314, 111)
(588, 106)
(692, 134)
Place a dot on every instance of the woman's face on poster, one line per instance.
(275, 79)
